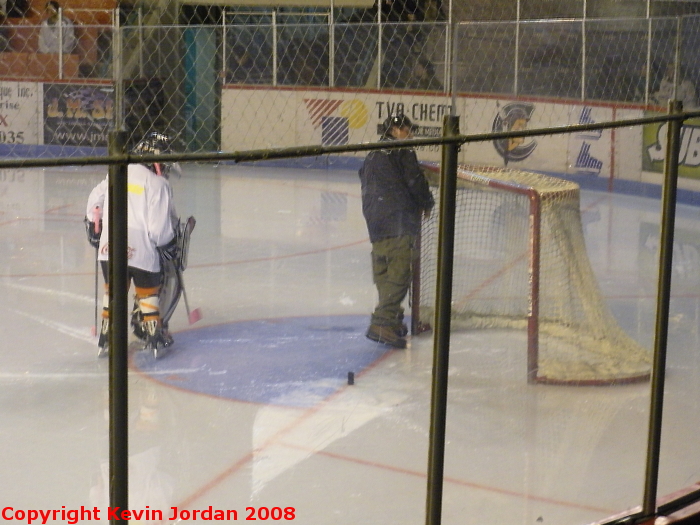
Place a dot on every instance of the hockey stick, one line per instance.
(94, 326)
(172, 270)
(192, 315)
(96, 220)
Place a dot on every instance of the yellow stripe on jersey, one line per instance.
(135, 188)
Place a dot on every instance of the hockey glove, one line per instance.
(170, 252)
(92, 235)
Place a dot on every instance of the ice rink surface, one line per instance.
(252, 409)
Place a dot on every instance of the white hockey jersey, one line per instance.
(150, 219)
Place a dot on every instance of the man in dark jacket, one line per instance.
(395, 197)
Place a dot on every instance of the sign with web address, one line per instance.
(77, 115)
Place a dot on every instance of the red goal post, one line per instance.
(520, 262)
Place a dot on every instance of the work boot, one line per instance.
(386, 335)
(400, 327)
(401, 330)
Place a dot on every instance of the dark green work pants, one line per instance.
(391, 266)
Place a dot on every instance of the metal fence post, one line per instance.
(663, 298)
(443, 312)
(118, 328)
(60, 42)
(117, 72)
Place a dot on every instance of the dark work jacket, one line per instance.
(394, 193)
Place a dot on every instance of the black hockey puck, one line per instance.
(351, 378)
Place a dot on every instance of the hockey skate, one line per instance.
(137, 322)
(158, 341)
(167, 338)
(103, 341)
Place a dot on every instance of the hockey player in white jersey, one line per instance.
(152, 234)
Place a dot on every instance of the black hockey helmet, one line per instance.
(155, 143)
(397, 121)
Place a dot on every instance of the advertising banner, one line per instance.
(654, 148)
(303, 118)
(19, 113)
(77, 115)
(337, 118)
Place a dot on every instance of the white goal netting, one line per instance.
(520, 262)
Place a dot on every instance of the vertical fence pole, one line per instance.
(60, 42)
(224, 55)
(331, 46)
(379, 47)
(583, 50)
(647, 81)
(443, 312)
(117, 74)
(274, 47)
(450, 65)
(677, 57)
(452, 78)
(516, 59)
(141, 41)
(118, 328)
(663, 298)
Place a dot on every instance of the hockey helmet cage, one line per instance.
(155, 143)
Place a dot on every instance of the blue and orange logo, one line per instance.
(336, 118)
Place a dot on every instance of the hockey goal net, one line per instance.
(520, 262)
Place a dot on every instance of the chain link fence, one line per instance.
(257, 81)
(260, 80)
